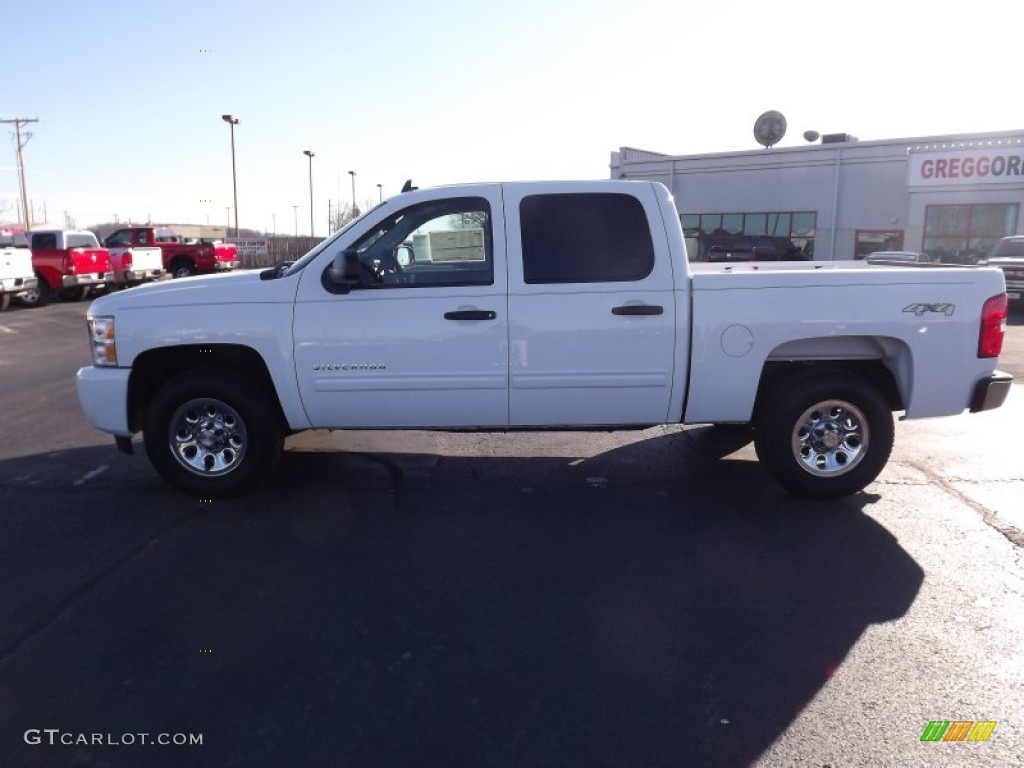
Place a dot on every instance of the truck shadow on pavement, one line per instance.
(655, 605)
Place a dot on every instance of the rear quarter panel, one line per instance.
(923, 323)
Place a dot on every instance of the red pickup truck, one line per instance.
(69, 263)
(180, 259)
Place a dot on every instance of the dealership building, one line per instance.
(951, 197)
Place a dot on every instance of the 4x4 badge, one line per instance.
(941, 309)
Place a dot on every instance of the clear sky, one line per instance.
(130, 101)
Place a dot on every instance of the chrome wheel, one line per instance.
(207, 437)
(830, 438)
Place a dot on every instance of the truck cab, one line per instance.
(180, 259)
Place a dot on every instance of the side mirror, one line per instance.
(345, 270)
(405, 255)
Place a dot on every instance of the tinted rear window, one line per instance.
(585, 238)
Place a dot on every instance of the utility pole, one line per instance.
(18, 122)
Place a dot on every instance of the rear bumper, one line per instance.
(220, 265)
(990, 392)
(89, 278)
(139, 275)
(17, 285)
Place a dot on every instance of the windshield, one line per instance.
(13, 240)
(81, 240)
(320, 247)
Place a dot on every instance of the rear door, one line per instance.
(423, 340)
(591, 306)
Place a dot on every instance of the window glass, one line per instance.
(756, 224)
(81, 240)
(942, 220)
(803, 224)
(44, 242)
(143, 237)
(585, 238)
(778, 224)
(691, 224)
(442, 242)
(711, 224)
(964, 234)
(120, 239)
(732, 223)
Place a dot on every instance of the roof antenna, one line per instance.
(408, 187)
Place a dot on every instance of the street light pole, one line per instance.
(353, 175)
(380, 193)
(310, 156)
(295, 212)
(233, 121)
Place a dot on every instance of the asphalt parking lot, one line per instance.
(572, 599)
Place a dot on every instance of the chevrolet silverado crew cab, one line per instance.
(552, 305)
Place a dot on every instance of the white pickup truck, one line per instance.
(133, 265)
(546, 305)
(16, 274)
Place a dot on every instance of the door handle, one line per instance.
(638, 309)
(471, 314)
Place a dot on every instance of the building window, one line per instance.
(871, 240)
(779, 235)
(964, 234)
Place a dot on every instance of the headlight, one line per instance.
(104, 346)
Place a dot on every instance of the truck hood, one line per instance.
(232, 288)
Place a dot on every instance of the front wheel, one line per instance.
(212, 432)
(824, 435)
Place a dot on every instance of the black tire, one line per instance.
(74, 294)
(5, 301)
(241, 435)
(182, 268)
(823, 434)
(38, 296)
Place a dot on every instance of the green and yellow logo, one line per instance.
(958, 730)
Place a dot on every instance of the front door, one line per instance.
(422, 341)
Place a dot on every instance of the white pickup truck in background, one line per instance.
(16, 274)
(133, 265)
(569, 304)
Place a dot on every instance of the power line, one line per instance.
(18, 123)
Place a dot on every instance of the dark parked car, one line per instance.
(899, 258)
(1008, 255)
(755, 248)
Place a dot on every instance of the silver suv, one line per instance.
(1008, 255)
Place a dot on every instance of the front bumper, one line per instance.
(88, 278)
(103, 395)
(990, 392)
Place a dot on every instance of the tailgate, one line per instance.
(145, 259)
(226, 252)
(86, 260)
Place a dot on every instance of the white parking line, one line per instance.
(91, 474)
(6, 329)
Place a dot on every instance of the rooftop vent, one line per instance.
(837, 138)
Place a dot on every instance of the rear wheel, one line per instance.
(183, 268)
(5, 301)
(74, 294)
(211, 432)
(824, 435)
(38, 296)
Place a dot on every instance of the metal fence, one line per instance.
(279, 249)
